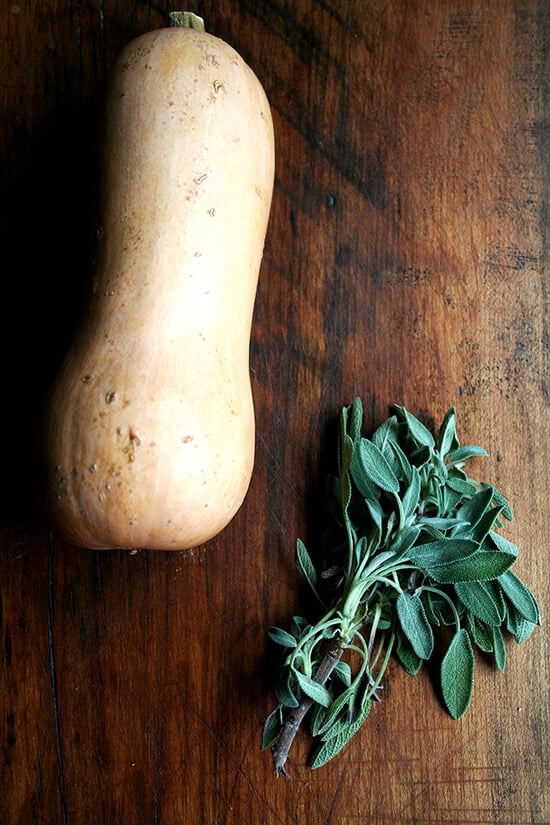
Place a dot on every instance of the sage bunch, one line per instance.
(413, 549)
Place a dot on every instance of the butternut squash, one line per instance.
(149, 431)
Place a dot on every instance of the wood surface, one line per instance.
(406, 262)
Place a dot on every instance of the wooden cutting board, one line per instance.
(406, 262)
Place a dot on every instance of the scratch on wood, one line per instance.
(53, 680)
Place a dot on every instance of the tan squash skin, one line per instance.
(150, 430)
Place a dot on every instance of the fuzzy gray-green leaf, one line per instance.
(479, 566)
(499, 650)
(415, 624)
(369, 461)
(434, 554)
(305, 565)
(334, 744)
(446, 439)
(520, 596)
(483, 599)
(313, 689)
(418, 431)
(457, 674)
(272, 726)
(464, 453)
(282, 637)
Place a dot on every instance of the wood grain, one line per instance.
(407, 262)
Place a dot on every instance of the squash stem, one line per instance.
(186, 20)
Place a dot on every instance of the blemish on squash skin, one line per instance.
(110, 396)
(134, 437)
(186, 439)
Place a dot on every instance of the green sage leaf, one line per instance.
(500, 501)
(272, 726)
(480, 530)
(313, 689)
(410, 661)
(481, 634)
(519, 627)
(404, 540)
(418, 431)
(499, 650)
(285, 688)
(385, 436)
(411, 496)
(436, 554)
(316, 718)
(368, 461)
(520, 596)
(457, 674)
(282, 637)
(334, 744)
(338, 708)
(343, 672)
(401, 464)
(461, 485)
(483, 599)
(464, 453)
(415, 624)
(474, 508)
(480, 566)
(355, 420)
(305, 565)
(446, 439)
(345, 482)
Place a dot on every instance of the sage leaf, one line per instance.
(343, 672)
(404, 540)
(481, 529)
(474, 508)
(345, 483)
(282, 637)
(334, 744)
(480, 566)
(499, 650)
(410, 661)
(411, 496)
(480, 633)
(401, 463)
(501, 501)
(356, 420)
(420, 433)
(435, 554)
(316, 718)
(313, 689)
(440, 524)
(520, 628)
(483, 599)
(305, 565)
(285, 689)
(369, 461)
(494, 539)
(520, 596)
(461, 485)
(462, 454)
(415, 624)
(457, 674)
(272, 726)
(340, 704)
(446, 439)
(385, 436)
